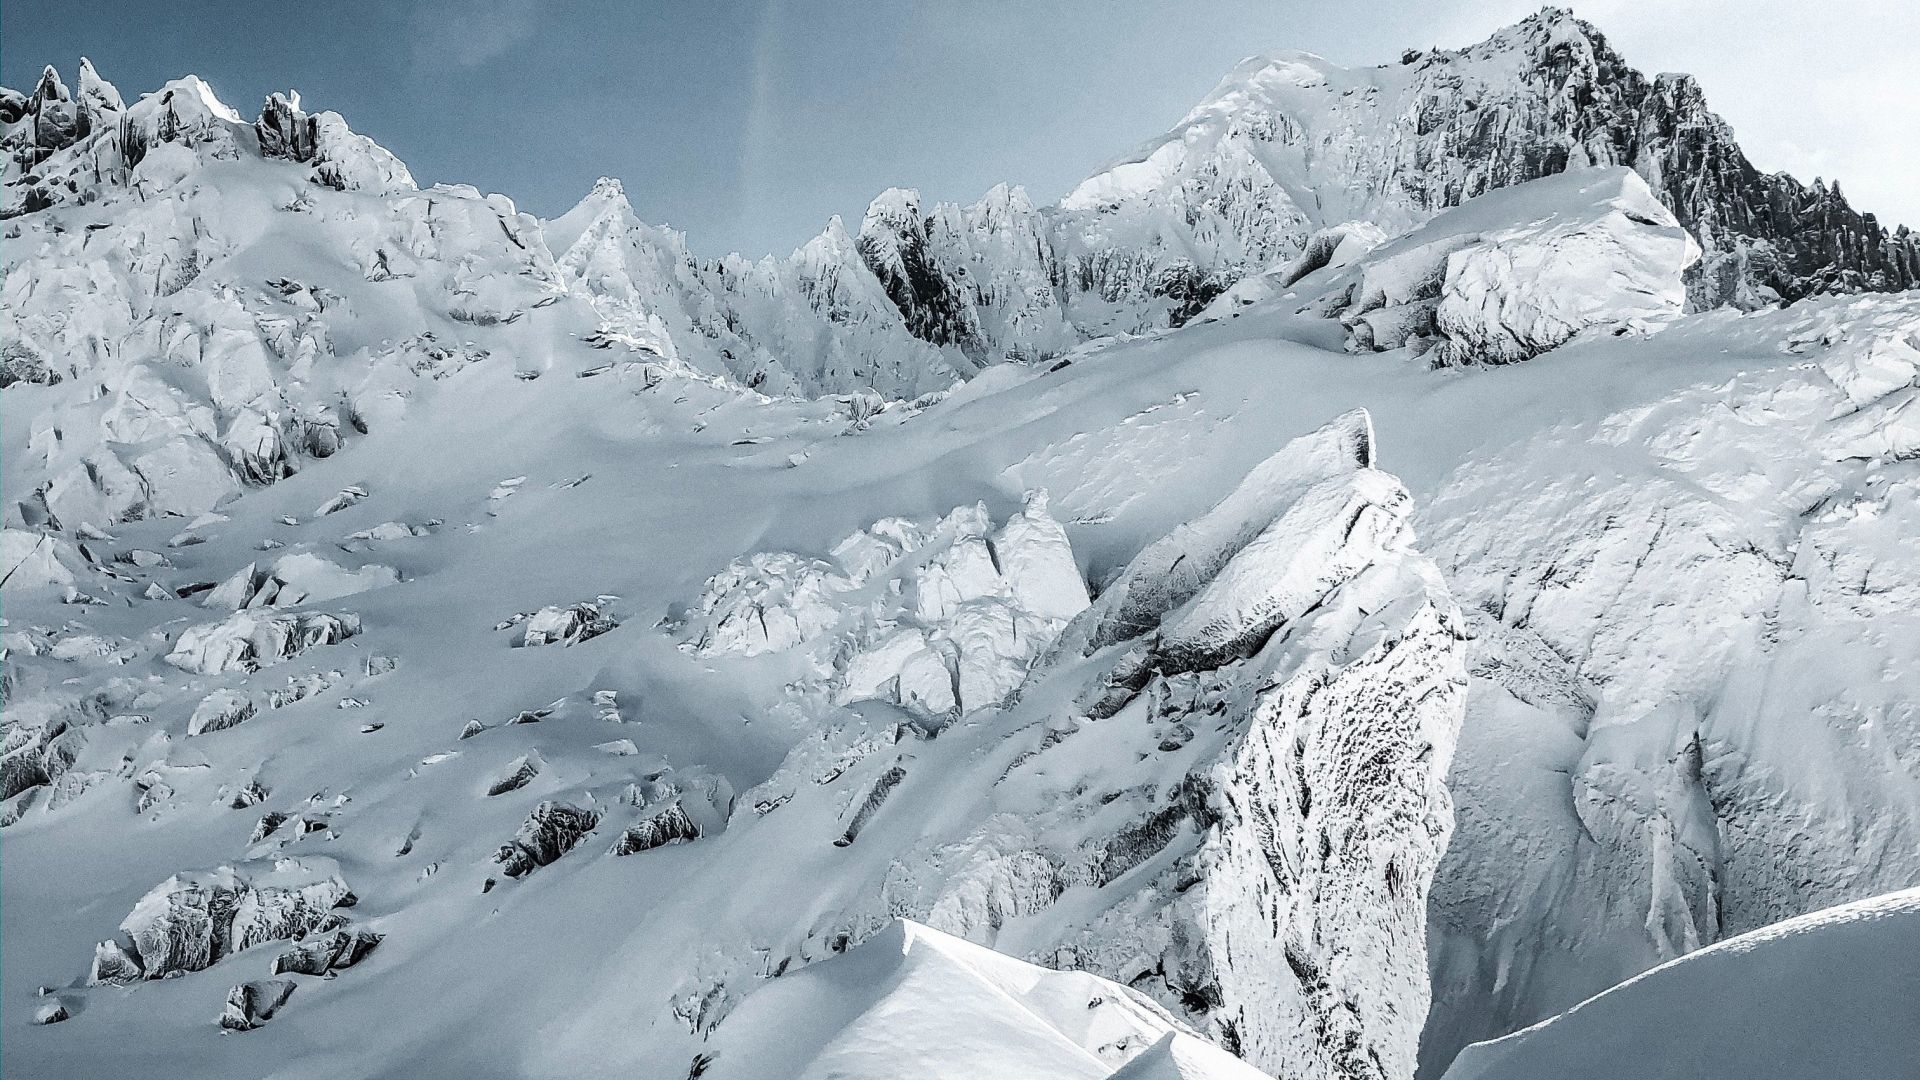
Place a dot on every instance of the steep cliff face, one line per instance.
(985, 278)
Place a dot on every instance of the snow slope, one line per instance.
(1829, 993)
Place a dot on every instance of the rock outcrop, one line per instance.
(549, 832)
(192, 921)
(252, 1004)
(1291, 143)
(325, 955)
(341, 159)
(248, 641)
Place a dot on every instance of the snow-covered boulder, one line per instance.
(192, 921)
(220, 710)
(325, 955)
(33, 559)
(252, 1004)
(568, 624)
(1517, 271)
(675, 807)
(552, 830)
(248, 641)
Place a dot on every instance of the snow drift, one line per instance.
(1831, 991)
(911, 1001)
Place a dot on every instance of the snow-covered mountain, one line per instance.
(539, 651)
(1286, 146)
(1290, 144)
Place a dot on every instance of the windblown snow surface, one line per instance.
(445, 643)
(1827, 994)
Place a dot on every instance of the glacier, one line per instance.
(1360, 576)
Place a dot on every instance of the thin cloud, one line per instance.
(469, 33)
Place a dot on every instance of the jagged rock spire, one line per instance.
(97, 104)
(52, 109)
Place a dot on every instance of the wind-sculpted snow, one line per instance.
(655, 628)
(300, 578)
(1518, 271)
(1172, 570)
(912, 1001)
(1830, 991)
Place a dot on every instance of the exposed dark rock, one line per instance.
(336, 951)
(894, 244)
(518, 773)
(550, 832)
(670, 826)
(870, 805)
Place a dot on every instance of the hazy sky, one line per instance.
(748, 122)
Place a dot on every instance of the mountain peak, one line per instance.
(93, 87)
(50, 88)
(196, 90)
(894, 208)
(609, 189)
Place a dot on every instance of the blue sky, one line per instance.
(748, 122)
